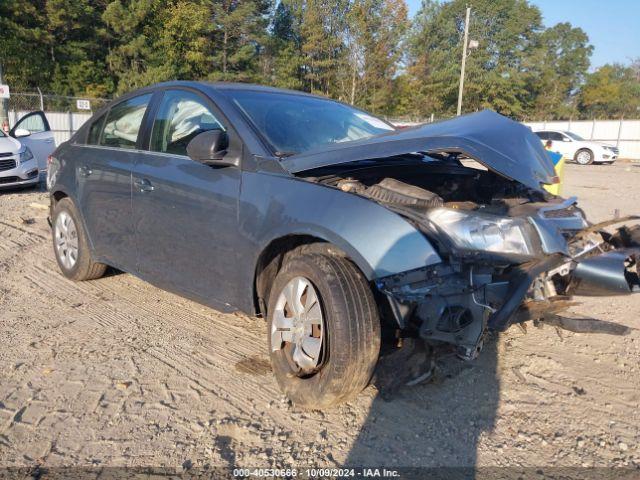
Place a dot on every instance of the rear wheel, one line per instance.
(584, 156)
(324, 330)
(70, 244)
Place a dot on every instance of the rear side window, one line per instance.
(182, 115)
(95, 130)
(123, 123)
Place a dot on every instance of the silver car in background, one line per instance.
(25, 150)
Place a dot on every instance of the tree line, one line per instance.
(365, 52)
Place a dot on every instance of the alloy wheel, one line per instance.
(66, 240)
(298, 325)
(583, 157)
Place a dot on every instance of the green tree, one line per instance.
(374, 38)
(239, 35)
(555, 70)
(611, 91)
(132, 25)
(24, 54)
(182, 44)
(75, 35)
(322, 31)
(284, 62)
(495, 76)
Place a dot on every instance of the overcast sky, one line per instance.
(613, 26)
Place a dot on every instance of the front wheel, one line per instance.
(584, 156)
(324, 330)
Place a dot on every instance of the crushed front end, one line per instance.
(510, 253)
(458, 301)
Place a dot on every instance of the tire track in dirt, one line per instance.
(212, 332)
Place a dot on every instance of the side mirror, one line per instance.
(210, 148)
(21, 132)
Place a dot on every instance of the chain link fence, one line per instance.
(65, 114)
(28, 102)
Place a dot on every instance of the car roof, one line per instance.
(229, 86)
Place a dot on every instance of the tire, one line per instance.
(67, 226)
(350, 335)
(584, 156)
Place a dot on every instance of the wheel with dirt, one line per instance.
(70, 244)
(584, 156)
(324, 330)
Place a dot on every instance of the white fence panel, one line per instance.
(63, 124)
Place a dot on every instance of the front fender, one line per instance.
(378, 240)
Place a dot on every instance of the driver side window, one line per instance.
(182, 115)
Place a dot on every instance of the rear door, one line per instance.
(33, 131)
(185, 212)
(103, 170)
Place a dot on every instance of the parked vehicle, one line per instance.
(574, 147)
(24, 152)
(329, 222)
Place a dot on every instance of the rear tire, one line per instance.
(70, 244)
(584, 156)
(349, 335)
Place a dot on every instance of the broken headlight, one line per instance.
(471, 231)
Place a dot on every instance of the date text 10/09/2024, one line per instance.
(316, 472)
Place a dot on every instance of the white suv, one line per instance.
(573, 146)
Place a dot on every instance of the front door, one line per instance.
(185, 212)
(34, 132)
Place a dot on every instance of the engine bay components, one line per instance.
(395, 192)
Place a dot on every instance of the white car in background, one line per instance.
(574, 147)
(24, 152)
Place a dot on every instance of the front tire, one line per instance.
(584, 156)
(70, 244)
(324, 330)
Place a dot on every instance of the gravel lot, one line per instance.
(115, 372)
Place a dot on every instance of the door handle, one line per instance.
(49, 140)
(85, 171)
(144, 185)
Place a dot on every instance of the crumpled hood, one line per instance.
(500, 144)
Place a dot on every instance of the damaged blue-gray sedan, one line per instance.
(350, 236)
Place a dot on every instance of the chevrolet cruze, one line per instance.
(349, 236)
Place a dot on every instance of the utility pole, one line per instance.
(4, 104)
(464, 59)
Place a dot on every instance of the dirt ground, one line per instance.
(115, 372)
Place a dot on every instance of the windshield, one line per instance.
(295, 123)
(574, 136)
